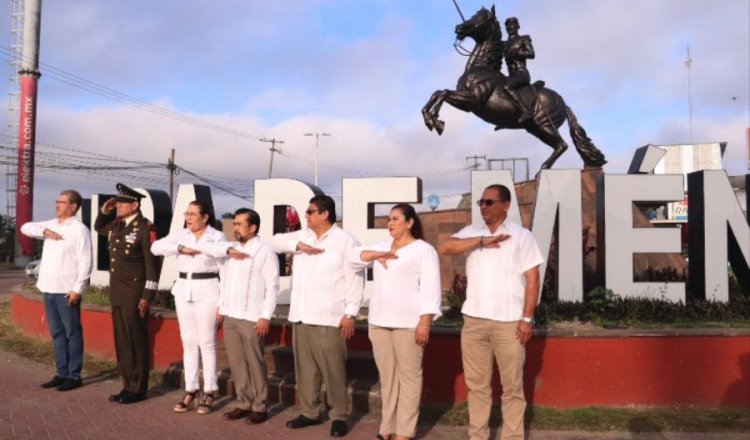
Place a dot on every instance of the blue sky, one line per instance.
(362, 70)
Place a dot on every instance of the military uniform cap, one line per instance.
(126, 194)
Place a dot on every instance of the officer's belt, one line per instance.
(199, 275)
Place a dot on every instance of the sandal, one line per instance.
(184, 404)
(206, 403)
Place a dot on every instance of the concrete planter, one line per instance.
(564, 368)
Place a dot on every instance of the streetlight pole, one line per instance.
(317, 136)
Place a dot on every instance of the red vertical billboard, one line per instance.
(26, 143)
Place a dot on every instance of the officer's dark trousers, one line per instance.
(131, 345)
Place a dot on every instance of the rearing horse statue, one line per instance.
(480, 91)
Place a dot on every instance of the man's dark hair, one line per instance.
(74, 197)
(252, 217)
(502, 191)
(325, 204)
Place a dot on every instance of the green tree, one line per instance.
(7, 238)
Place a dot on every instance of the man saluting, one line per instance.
(133, 276)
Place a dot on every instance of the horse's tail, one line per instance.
(591, 155)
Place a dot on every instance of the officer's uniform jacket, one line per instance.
(134, 271)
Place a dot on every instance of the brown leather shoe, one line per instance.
(237, 414)
(257, 417)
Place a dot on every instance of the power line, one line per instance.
(115, 95)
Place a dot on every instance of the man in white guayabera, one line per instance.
(501, 296)
(64, 271)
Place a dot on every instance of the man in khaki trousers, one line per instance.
(501, 296)
(326, 296)
(249, 288)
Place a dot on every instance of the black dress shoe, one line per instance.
(237, 413)
(70, 384)
(301, 422)
(116, 397)
(54, 382)
(257, 417)
(338, 428)
(127, 398)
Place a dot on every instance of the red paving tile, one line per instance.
(28, 411)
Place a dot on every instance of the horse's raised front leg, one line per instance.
(427, 111)
(463, 100)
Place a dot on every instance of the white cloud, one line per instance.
(274, 69)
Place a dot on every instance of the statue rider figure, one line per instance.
(517, 50)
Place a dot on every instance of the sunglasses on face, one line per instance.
(488, 202)
(312, 211)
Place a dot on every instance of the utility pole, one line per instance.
(317, 135)
(29, 74)
(688, 64)
(172, 171)
(476, 158)
(273, 149)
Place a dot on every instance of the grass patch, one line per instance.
(13, 341)
(99, 296)
(642, 419)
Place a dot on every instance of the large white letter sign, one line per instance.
(558, 199)
(361, 195)
(622, 240)
(481, 180)
(719, 232)
(271, 198)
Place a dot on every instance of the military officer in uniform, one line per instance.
(133, 276)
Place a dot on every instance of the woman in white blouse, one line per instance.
(196, 297)
(404, 302)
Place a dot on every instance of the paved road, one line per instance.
(30, 412)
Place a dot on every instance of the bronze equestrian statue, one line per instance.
(483, 90)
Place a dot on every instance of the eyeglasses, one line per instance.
(190, 214)
(312, 211)
(488, 202)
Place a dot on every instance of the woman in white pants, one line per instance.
(405, 301)
(196, 297)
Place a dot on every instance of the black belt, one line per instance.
(199, 275)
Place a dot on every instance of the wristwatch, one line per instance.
(527, 320)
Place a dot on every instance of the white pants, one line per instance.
(198, 332)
